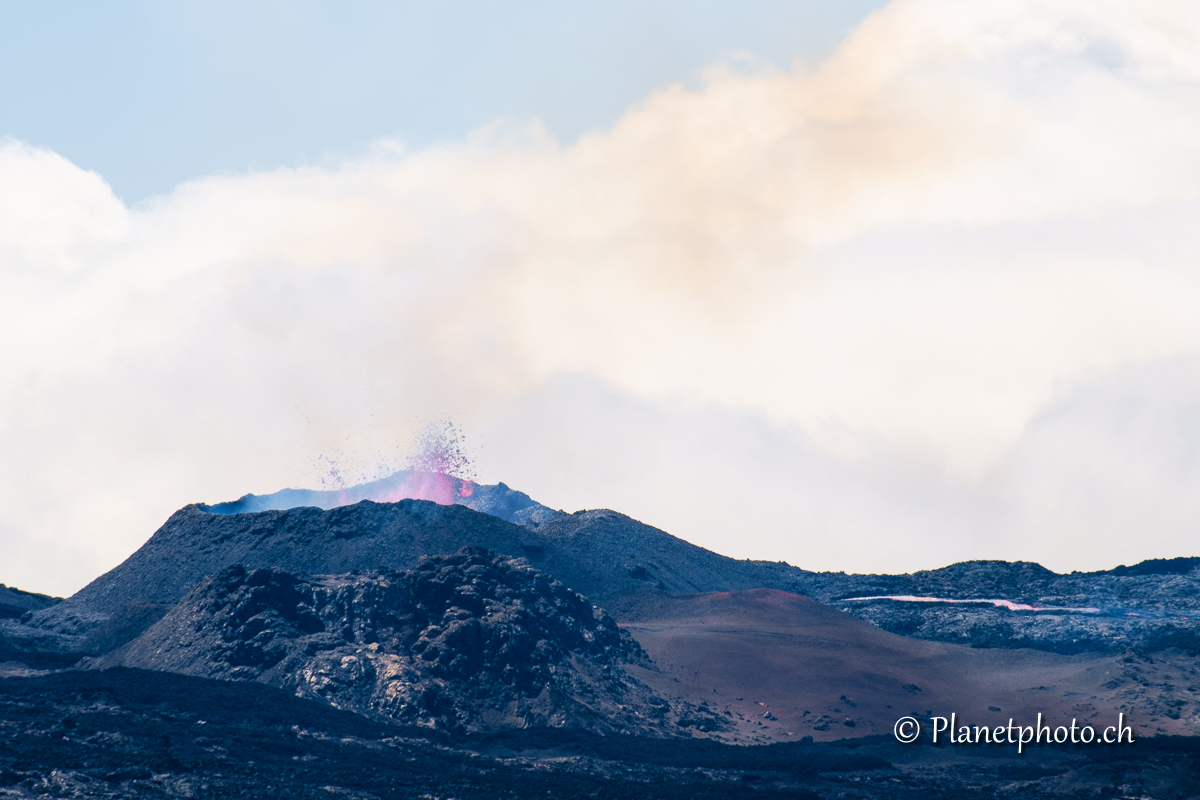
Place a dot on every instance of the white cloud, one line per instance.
(53, 214)
(1114, 466)
(874, 277)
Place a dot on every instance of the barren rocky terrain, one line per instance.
(495, 647)
(132, 734)
(470, 641)
(786, 667)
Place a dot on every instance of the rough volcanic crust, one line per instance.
(471, 641)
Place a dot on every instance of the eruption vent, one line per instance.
(438, 470)
(440, 451)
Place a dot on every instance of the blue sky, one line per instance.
(150, 94)
(901, 288)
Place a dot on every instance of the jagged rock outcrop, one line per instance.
(470, 641)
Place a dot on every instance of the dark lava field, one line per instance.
(134, 734)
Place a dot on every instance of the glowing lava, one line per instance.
(439, 470)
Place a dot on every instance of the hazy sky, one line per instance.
(150, 94)
(874, 292)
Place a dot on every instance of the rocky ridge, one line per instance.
(19, 643)
(619, 563)
(1151, 607)
(470, 641)
(15, 603)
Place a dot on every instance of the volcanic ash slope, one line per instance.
(466, 642)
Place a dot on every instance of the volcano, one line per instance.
(482, 613)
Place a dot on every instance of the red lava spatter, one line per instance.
(439, 470)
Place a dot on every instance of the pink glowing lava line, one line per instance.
(1009, 604)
